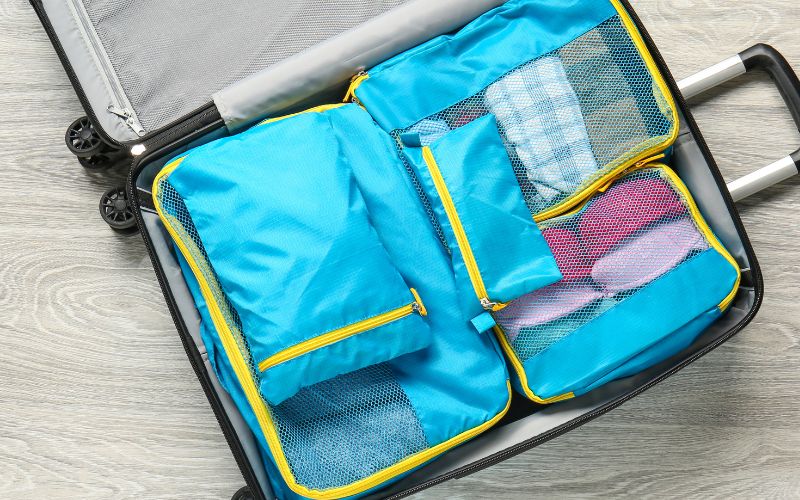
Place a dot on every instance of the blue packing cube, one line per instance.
(575, 94)
(644, 276)
(297, 256)
(498, 252)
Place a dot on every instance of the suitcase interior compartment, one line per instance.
(526, 424)
(151, 59)
(140, 67)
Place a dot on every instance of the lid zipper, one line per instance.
(119, 103)
(127, 114)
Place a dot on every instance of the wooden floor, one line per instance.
(97, 398)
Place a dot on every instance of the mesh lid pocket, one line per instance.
(638, 262)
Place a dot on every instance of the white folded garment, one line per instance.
(537, 108)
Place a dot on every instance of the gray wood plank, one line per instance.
(98, 400)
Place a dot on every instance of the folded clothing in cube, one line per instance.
(640, 267)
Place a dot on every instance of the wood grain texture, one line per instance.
(98, 400)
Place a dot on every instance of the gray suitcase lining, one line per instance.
(145, 64)
(161, 60)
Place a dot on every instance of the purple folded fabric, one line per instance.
(545, 305)
(625, 209)
(566, 248)
(647, 256)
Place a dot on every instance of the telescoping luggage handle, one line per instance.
(766, 58)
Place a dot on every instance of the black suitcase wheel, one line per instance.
(92, 151)
(116, 209)
(243, 494)
(82, 139)
(96, 162)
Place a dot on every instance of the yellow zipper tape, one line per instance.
(622, 173)
(339, 334)
(315, 109)
(243, 374)
(418, 301)
(523, 377)
(458, 228)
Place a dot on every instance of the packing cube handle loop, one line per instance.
(758, 57)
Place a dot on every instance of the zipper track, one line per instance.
(455, 221)
(647, 162)
(73, 78)
(229, 433)
(150, 137)
(340, 334)
(458, 229)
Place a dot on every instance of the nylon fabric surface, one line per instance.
(573, 104)
(451, 68)
(337, 405)
(321, 219)
(294, 268)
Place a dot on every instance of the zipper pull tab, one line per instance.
(350, 96)
(647, 161)
(417, 306)
(636, 166)
(491, 306)
(128, 116)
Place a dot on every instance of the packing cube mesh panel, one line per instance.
(569, 117)
(162, 61)
(333, 433)
(638, 230)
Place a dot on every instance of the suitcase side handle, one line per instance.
(765, 58)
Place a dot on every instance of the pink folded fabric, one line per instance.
(647, 256)
(566, 248)
(623, 210)
(544, 305)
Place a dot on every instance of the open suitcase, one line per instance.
(376, 152)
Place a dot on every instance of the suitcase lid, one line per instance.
(142, 66)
